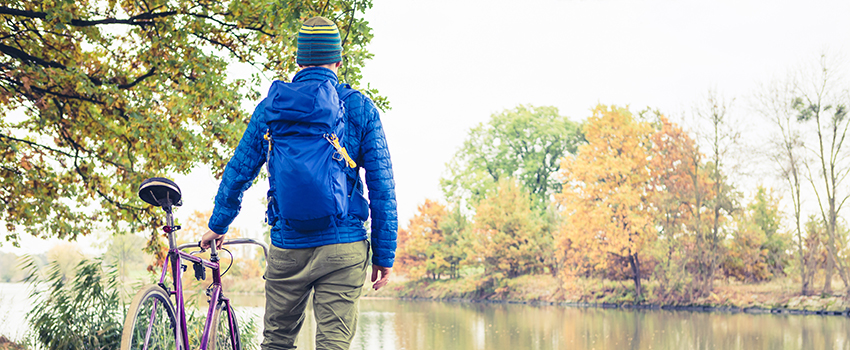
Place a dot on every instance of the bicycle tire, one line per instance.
(151, 300)
(224, 325)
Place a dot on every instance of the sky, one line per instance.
(447, 66)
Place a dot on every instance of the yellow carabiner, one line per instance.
(335, 142)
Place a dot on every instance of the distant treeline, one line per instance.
(626, 196)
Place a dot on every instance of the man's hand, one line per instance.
(209, 237)
(385, 276)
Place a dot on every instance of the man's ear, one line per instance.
(338, 64)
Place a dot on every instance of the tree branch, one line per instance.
(139, 79)
(142, 19)
(36, 145)
(46, 91)
(23, 56)
(216, 42)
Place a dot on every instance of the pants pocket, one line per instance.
(348, 254)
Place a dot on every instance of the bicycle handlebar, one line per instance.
(227, 242)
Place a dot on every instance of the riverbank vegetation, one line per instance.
(84, 307)
(538, 207)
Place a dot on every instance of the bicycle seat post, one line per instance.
(169, 222)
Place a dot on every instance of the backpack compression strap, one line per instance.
(334, 141)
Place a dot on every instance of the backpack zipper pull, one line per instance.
(341, 150)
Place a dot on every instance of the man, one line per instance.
(330, 262)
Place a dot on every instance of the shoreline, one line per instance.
(690, 308)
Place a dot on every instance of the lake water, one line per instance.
(398, 324)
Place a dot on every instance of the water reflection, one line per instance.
(394, 324)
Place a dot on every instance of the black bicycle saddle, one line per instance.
(159, 191)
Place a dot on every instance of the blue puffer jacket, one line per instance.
(365, 143)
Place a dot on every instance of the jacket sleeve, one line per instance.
(239, 174)
(379, 181)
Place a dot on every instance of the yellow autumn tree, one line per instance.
(508, 234)
(605, 198)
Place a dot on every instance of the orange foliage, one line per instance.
(418, 254)
(606, 194)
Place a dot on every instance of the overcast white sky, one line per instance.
(448, 65)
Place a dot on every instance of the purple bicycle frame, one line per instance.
(175, 257)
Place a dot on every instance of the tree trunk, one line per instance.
(635, 263)
(830, 246)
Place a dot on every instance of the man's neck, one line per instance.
(334, 67)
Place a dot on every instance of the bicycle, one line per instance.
(152, 321)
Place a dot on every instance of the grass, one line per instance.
(781, 293)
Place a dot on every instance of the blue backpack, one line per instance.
(306, 162)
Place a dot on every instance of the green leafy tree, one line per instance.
(766, 215)
(758, 250)
(95, 96)
(744, 257)
(453, 247)
(525, 143)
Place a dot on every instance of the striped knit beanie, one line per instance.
(318, 43)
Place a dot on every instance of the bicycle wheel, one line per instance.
(151, 323)
(224, 335)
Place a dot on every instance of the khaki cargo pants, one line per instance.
(335, 273)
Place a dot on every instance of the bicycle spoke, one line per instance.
(152, 325)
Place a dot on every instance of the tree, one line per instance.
(757, 249)
(525, 143)
(10, 270)
(775, 103)
(745, 258)
(125, 252)
(508, 236)
(418, 253)
(606, 194)
(720, 138)
(96, 96)
(822, 103)
(766, 216)
(679, 189)
(64, 258)
(455, 227)
(813, 256)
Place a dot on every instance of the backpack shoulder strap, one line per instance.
(345, 90)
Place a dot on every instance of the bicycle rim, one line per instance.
(151, 322)
(224, 334)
